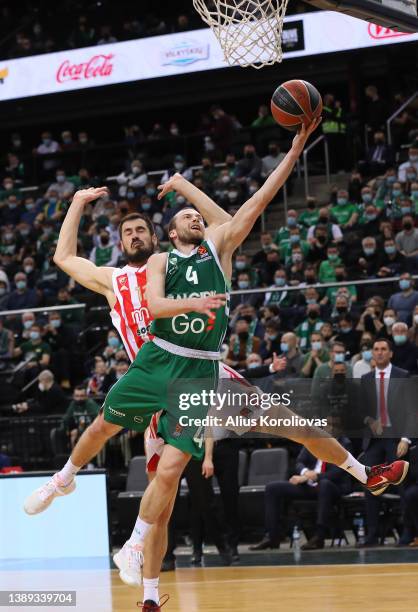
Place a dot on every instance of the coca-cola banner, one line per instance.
(180, 53)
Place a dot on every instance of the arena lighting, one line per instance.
(380, 12)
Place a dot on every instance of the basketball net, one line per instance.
(249, 31)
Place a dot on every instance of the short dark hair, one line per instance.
(80, 388)
(137, 215)
(388, 343)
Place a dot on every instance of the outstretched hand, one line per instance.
(303, 134)
(85, 196)
(169, 185)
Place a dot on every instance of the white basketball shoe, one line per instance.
(43, 497)
(129, 560)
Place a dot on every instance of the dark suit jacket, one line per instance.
(400, 404)
(305, 459)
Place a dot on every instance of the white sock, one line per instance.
(66, 475)
(139, 532)
(355, 468)
(151, 589)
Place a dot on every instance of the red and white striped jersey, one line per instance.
(130, 314)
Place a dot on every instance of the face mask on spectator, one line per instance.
(407, 225)
(146, 205)
(60, 178)
(410, 176)
(404, 284)
(30, 206)
(413, 158)
(180, 200)
(367, 355)
(52, 200)
(284, 347)
(324, 220)
(399, 339)
(8, 186)
(396, 193)
(341, 201)
(405, 210)
(232, 195)
(130, 195)
(294, 238)
(113, 341)
(389, 321)
(240, 265)
(83, 140)
(311, 205)
(253, 365)
(339, 377)
(46, 141)
(279, 281)
(243, 284)
(178, 166)
(252, 189)
(271, 337)
(339, 358)
(34, 335)
(56, 323)
(28, 269)
(2, 291)
(341, 309)
(225, 179)
(345, 330)
(367, 197)
(297, 257)
(316, 345)
(390, 249)
(136, 169)
(369, 250)
(313, 314)
(243, 335)
(104, 240)
(311, 301)
(21, 284)
(291, 221)
(332, 256)
(391, 179)
(8, 236)
(371, 217)
(12, 205)
(41, 386)
(24, 232)
(150, 191)
(28, 324)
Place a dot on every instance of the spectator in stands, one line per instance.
(413, 330)
(315, 357)
(407, 241)
(327, 333)
(264, 117)
(60, 338)
(368, 263)
(47, 399)
(114, 345)
(363, 362)
(272, 160)
(391, 262)
(105, 36)
(267, 246)
(271, 344)
(241, 344)
(379, 156)
(370, 220)
(311, 324)
(48, 145)
(182, 24)
(309, 217)
(83, 34)
(412, 163)
(80, 413)
(114, 374)
(256, 369)
(324, 371)
(377, 110)
(249, 166)
(348, 335)
(334, 127)
(21, 297)
(62, 186)
(405, 352)
(283, 299)
(7, 341)
(345, 213)
(405, 301)
(35, 352)
(294, 360)
(222, 129)
(105, 253)
(328, 266)
(136, 179)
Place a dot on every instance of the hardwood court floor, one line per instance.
(325, 588)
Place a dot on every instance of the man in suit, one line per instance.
(314, 480)
(388, 414)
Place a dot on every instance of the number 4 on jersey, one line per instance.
(191, 275)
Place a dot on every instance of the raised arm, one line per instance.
(161, 307)
(233, 233)
(82, 270)
(213, 214)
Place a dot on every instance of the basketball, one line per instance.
(296, 102)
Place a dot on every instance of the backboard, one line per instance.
(398, 15)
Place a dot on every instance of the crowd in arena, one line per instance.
(293, 329)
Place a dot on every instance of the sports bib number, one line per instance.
(191, 275)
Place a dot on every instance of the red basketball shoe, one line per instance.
(382, 476)
(151, 606)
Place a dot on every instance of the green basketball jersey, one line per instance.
(196, 275)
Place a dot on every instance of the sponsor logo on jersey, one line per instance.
(138, 419)
(116, 412)
(203, 254)
(122, 283)
(177, 431)
(192, 294)
(172, 265)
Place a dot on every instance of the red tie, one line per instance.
(323, 467)
(382, 402)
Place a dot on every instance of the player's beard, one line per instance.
(140, 254)
(190, 237)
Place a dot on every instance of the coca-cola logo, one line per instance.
(96, 66)
(379, 32)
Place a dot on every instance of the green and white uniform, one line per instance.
(181, 359)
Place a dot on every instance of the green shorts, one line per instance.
(156, 381)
